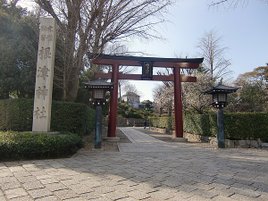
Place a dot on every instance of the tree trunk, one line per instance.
(72, 89)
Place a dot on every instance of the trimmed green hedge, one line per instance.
(15, 145)
(236, 125)
(162, 122)
(17, 114)
(246, 126)
(159, 122)
(202, 124)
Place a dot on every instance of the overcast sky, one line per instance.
(244, 30)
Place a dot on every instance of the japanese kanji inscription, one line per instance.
(44, 75)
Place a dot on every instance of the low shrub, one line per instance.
(17, 115)
(26, 145)
(162, 122)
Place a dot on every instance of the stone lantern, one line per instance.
(98, 88)
(219, 101)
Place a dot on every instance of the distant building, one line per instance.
(132, 99)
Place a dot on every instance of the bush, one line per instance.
(25, 145)
(17, 114)
(202, 124)
(127, 111)
(246, 126)
(236, 125)
(162, 122)
(72, 117)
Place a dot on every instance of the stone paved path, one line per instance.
(146, 169)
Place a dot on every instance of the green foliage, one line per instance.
(15, 145)
(72, 117)
(19, 44)
(125, 110)
(18, 38)
(246, 126)
(252, 96)
(17, 114)
(162, 122)
(236, 125)
(147, 105)
(202, 124)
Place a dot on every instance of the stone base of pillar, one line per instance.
(111, 139)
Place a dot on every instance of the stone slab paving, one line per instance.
(146, 169)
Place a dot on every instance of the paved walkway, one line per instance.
(146, 169)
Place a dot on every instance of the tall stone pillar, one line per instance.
(44, 75)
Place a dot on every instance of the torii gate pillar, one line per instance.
(113, 103)
(178, 104)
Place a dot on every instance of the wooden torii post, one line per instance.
(147, 63)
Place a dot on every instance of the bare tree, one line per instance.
(193, 97)
(214, 59)
(163, 98)
(231, 3)
(90, 25)
(130, 88)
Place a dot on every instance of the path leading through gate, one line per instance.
(142, 142)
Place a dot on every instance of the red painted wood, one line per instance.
(175, 63)
(103, 59)
(113, 103)
(155, 64)
(178, 103)
(122, 76)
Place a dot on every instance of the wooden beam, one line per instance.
(122, 76)
(103, 59)
(155, 64)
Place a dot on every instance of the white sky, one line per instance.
(243, 30)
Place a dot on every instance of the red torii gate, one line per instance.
(147, 64)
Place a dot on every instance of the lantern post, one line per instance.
(98, 89)
(219, 101)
